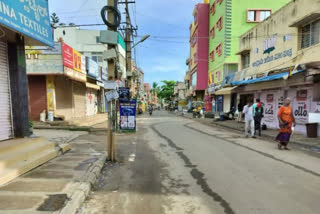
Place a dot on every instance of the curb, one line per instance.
(80, 193)
(72, 128)
(304, 147)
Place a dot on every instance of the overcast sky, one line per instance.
(163, 56)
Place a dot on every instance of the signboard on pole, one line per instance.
(112, 95)
(124, 93)
(128, 115)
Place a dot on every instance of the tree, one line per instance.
(155, 89)
(54, 19)
(167, 89)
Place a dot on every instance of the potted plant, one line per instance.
(31, 124)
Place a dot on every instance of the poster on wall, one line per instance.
(301, 107)
(269, 109)
(128, 115)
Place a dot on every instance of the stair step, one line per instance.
(15, 144)
(23, 154)
(25, 166)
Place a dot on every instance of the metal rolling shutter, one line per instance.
(5, 99)
(79, 97)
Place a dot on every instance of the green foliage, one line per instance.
(167, 89)
(155, 88)
(54, 19)
(31, 124)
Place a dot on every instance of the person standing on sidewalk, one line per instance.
(286, 121)
(240, 109)
(248, 111)
(258, 115)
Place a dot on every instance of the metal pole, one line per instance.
(128, 43)
(111, 77)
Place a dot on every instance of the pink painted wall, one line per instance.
(202, 46)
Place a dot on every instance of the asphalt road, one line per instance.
(175, 165)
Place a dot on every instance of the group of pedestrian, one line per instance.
(254, 114)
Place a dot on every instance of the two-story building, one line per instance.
(280, 58)
(227, 21)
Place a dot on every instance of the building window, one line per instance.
(194, 79)
(195, 58)
(212, 56)
(194, 40)
(218, 76)
(219, 23)
(213, 8)
(219, 1)
(245, 60)
(310, 34)
(219, 49)
(257, 15)
(213, 32)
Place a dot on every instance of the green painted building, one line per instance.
(228, 20)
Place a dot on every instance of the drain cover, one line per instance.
(53, 202)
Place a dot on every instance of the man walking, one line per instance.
(248, 111)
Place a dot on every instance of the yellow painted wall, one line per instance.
(287, 39)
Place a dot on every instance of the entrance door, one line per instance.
(6, 131)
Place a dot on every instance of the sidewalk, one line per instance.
(299, 140)
(99, 121)
(60, 185)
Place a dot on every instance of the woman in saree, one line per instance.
(286, 121)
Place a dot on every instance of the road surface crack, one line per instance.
(197, 174)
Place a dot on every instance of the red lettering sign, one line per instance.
(67, 55)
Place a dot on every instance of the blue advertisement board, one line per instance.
(29, 17)
(128, 115)
(92, 68)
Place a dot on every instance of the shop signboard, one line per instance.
(104, 74)
(30, 18)
(124, 93)
(128, 115)
(93, 68)
(45, 50)
(110, 85)
(83, 65)
(111, 95)
(76, 61)
(75, 75)
(67, 55)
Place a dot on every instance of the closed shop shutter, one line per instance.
(64, 97)
(5, 99)
(37, 96)
(79, 97)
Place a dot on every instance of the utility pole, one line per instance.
(111, 77)
(128, 42)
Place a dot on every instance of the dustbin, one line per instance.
(312, 130)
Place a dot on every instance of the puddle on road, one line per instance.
(54, 203)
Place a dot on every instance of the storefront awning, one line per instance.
(225, 91)
(267, 78)
(92, 86)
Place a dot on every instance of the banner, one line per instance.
(301, 107)
(77, 61)
(269, 109)
(67, 55)
(128, 115)
(30, 18)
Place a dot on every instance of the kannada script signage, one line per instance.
(29, 17)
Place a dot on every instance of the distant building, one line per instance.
(227, 21)
(198, 60)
